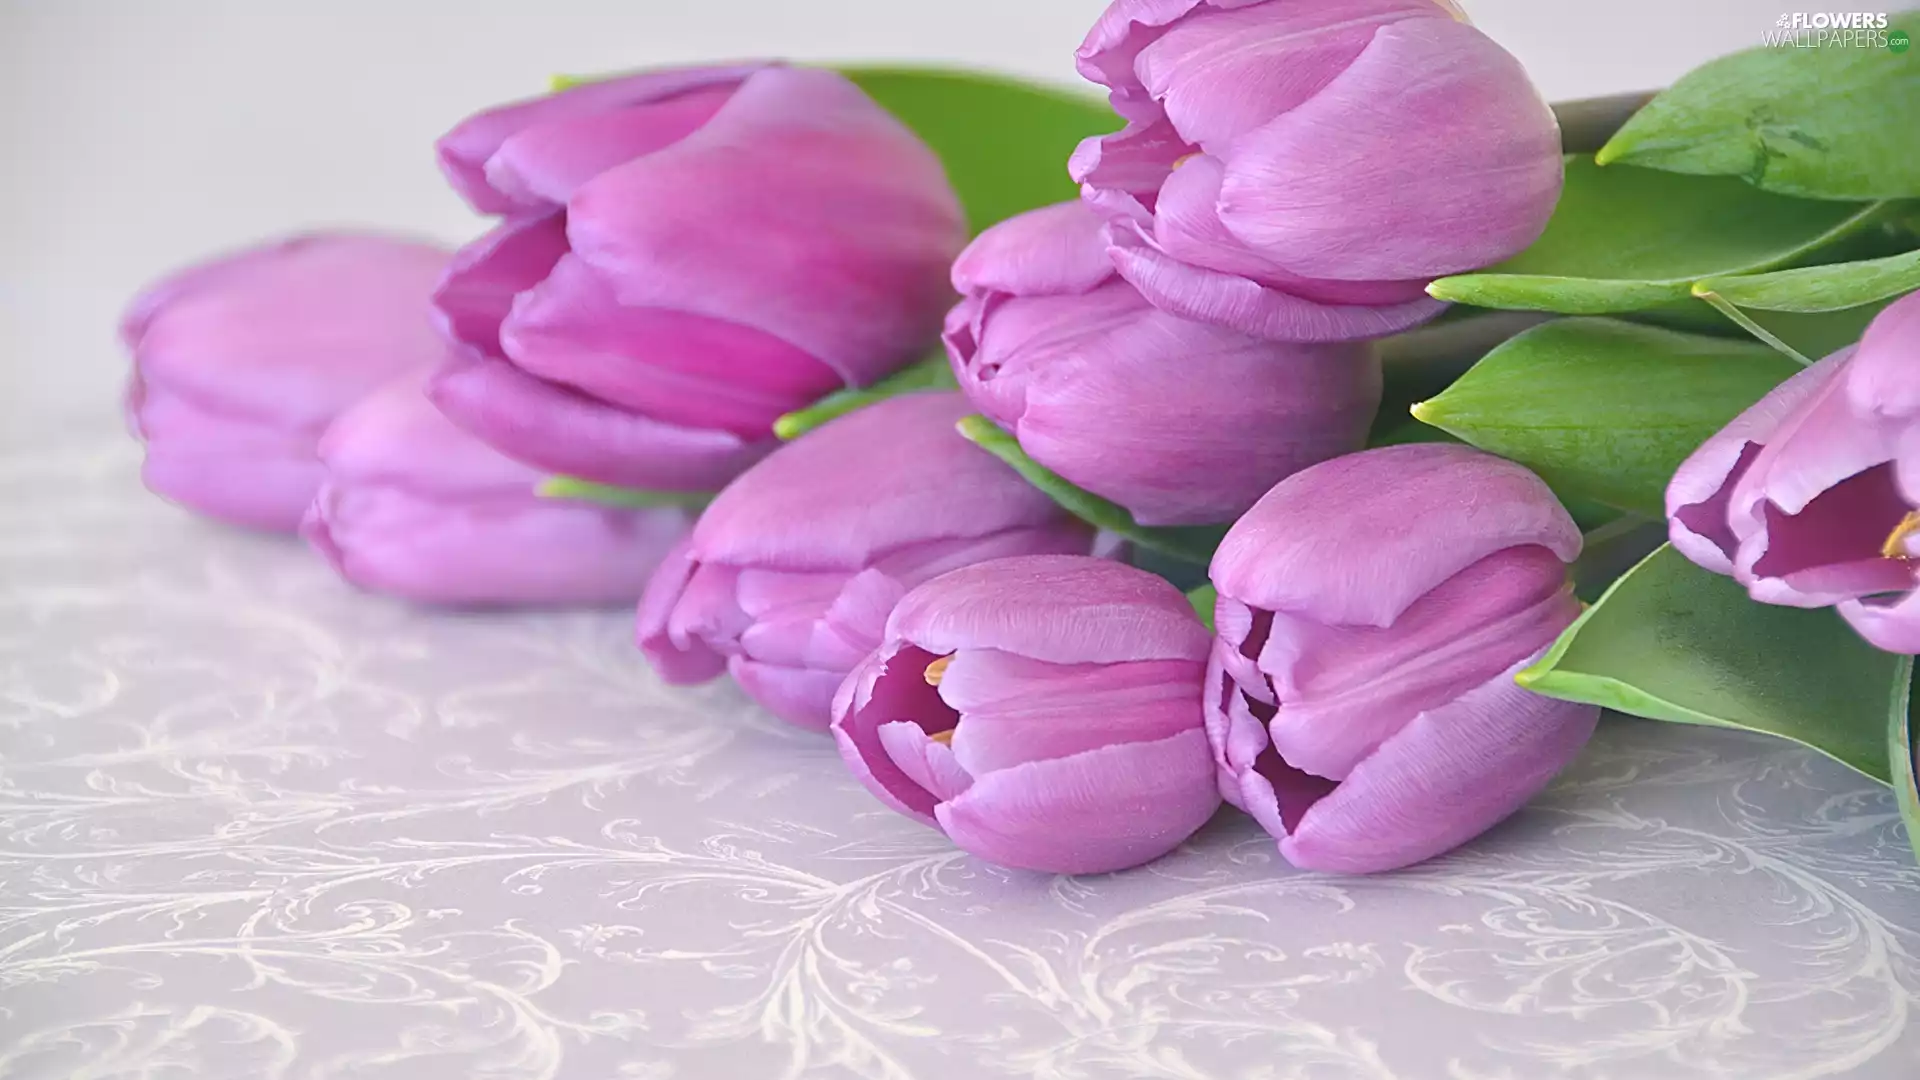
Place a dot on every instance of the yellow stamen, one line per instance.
(1896, 545)
(944, 738)
(1182, 161)
(938, 670)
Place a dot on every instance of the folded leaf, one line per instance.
(1193, 544)
(1833, 122)
(1627, 239)
(1821, 288)
(1004, 142)
(1605, 409)
(1671, 641)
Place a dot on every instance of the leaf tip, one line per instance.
(1447, 288)
(790, 427)
(554, 487)
(1424, 412)
(1615, 149)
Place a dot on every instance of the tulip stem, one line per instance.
(1745, 322)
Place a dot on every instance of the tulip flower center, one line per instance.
(1896, 545)
(938, 670)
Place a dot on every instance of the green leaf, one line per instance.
(566, 487)
(1833, 122)
(1903, 752)
(933, 373)
(1005, 142)
(1671, 641)
(1194, 544)
(1605, 409)
(1629, 239)
(1821, 288)
(1203, 599)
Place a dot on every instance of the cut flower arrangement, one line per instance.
(1322, 424)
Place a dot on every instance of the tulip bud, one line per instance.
(414, 507)
(1301, 170)
(789, 576)
(239, 365)
(1180, 422)
(1812, 497)
(687, 256)
(1373, 612)
(1043, 712)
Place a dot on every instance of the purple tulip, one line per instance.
(1301, 169)
(1812, 497)
(240, 363)
(1373, 613)
(686, 256)
(1180, 422)
(788, 578)
(1043, 712)
(417, 508)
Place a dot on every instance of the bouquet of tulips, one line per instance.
(916, 401)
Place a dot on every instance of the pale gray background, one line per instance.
(135, 134)
(257, 826)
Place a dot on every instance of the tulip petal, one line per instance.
(1355, 689)
(1241, 304)
(1448, 776)
(1191, 442)
(799, 696)
(925, 762)
(1015, 710)
(292, 335)
(1409, 517)
(547, 162)
(1473, 175)
(849, 263)
(1092, 813)
(1222, 73)
(677, 367)
(1056, 249)
(1111, 49)
(476, 293)
(463, 152)
(1063, 609)
(1884, 381)
(686, 661)
(1891, 623)
(869, 483)
(890, 686)
(559, 430)
(238, 471)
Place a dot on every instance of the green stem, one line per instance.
(1741, 319)
(932, 373)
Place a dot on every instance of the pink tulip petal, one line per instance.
(464, 151)
(1884, 382)
(1056, 249)
(1111, 50)
(1222, 73)
(677, 367)
(1092, 813)
(849, 263)
(867, 484)
(689, 660)
(1410, 518)
(1015, 710)
(548, 161)
(890, 686)
(1062, 609)
(1891, 623)
(290, 336)
(925, 762)
(1473, 175)
(556, 429)
(1241, 304)
(478, 289)
(1448, 776)
(798, 696)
